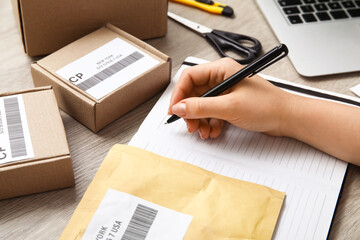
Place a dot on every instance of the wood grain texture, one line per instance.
(45, 215)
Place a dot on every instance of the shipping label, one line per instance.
(122, 216)
(107, 68)
(15, 141)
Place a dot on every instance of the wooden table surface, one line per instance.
(45, 215)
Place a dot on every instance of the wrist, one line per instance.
(288, 115)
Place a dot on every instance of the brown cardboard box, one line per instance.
(92, 112)
(51, 166)
(46, 26)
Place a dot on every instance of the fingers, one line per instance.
(199, 113)
(196, 80)
(216, 127)
(196, 111)
(197, 108)
(192, 125)
(207, 128)
(204, 129)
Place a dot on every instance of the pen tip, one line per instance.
(165, 123)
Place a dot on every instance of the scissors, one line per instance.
(225, 41)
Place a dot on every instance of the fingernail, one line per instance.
(179, 109)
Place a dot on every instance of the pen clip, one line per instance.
(283, 54)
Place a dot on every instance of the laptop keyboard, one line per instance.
(309, 11)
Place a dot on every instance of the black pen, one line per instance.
(253, 68)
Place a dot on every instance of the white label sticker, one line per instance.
(15, 141)
(122, 216)
(107, 68)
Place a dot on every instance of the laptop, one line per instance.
(323, 36)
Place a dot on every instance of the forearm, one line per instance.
(331, 127)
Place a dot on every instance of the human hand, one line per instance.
(253, 104)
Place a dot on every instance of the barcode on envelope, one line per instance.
(108, 72)
(15, 127)
(140, 223)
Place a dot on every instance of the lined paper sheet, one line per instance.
(311, 179)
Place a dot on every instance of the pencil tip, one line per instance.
(165, 123)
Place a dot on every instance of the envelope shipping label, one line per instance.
(122, 216)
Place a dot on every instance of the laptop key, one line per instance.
(334, 5)
(295, 19)
(354, 12)
(309, 1)
(289, 2)
(320, 7)
(309, 17)
(323, 16)
(291, 10)
(338, 14)
(348, 4)
(323, 0)
(307, 8)
(357, 3)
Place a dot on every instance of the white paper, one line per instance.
(107, 68)
(356, 90)
(15, 141)
(311, 179)
(124, 216)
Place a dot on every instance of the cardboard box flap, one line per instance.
(26, 91)
(138, 42)
(45, 124)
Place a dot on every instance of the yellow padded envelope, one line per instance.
(222, 207)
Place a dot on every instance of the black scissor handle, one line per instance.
(226, 41)
(255, 45)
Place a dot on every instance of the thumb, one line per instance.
(196, 107)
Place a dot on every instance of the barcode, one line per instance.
(140, 223)
(108, 72)
(15, 128)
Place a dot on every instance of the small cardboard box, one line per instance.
(44, 162)
(47, 26)
(88, 59)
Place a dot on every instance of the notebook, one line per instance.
(322, 35)
(311, 179)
